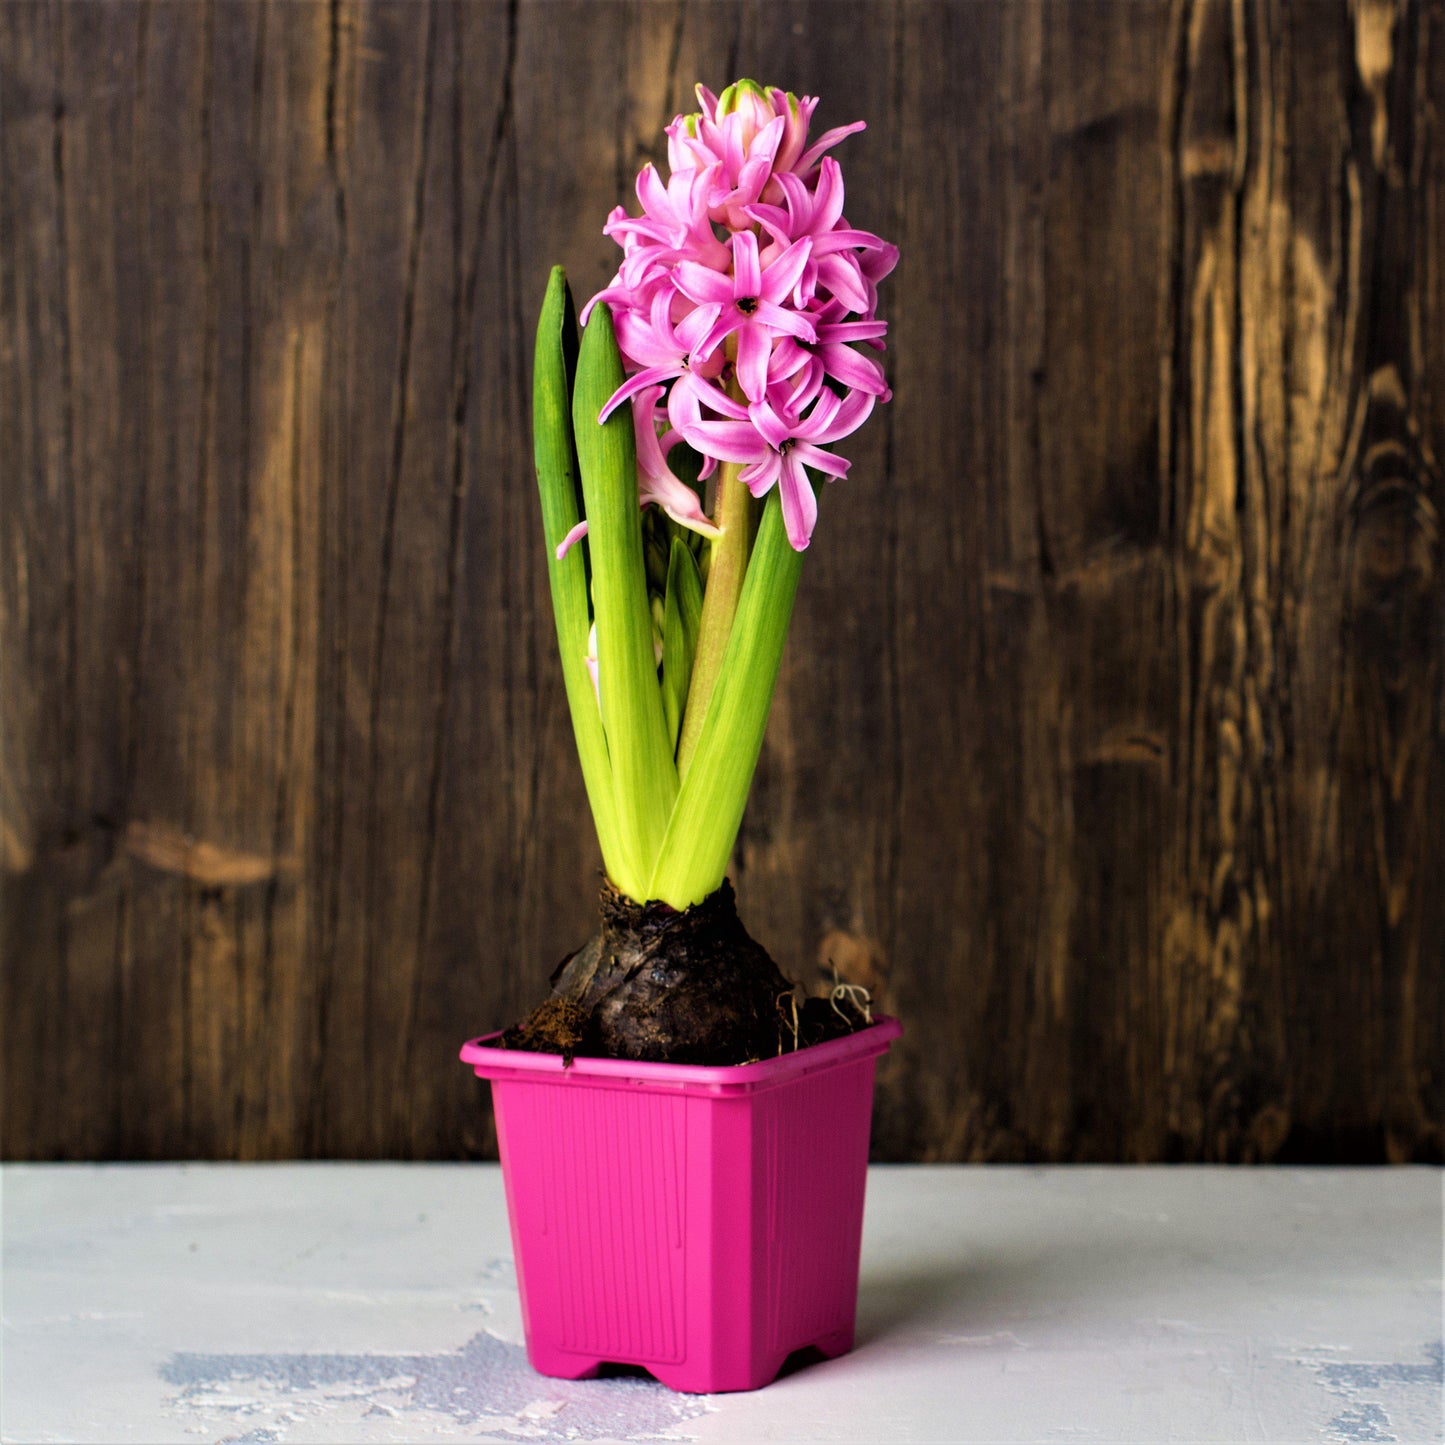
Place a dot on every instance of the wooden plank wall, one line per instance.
(1110, 748)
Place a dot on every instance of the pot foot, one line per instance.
(838, 1343)
(563, 1365)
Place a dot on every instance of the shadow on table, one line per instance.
(980, 1296)
(942, 1295)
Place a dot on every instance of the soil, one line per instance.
(691, 987)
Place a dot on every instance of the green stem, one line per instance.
(733, 512)
(704, 823)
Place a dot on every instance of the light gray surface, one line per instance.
(323, 1302)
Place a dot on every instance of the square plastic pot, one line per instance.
(704, 1223)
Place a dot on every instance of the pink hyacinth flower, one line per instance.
(834, 353)
(818, 216)
(673, 226)
(742, 265)
(695, 140)
(779, 449)
(657, 483)
(665, 352)
(749, 306)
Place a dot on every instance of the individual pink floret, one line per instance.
(656, 481)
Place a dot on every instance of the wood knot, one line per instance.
(1394, 552)
(1397, 534)
(211, 865)
(1395, 525)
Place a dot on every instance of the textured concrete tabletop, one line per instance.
(324, 1302)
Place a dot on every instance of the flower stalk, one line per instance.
(733, 509)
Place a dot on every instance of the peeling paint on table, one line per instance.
(1371, 1387)
(287, 1304)
(485, 1385)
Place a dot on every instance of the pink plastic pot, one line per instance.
(703, 1223)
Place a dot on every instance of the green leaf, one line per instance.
(682, 616)
(704, 824)
(644, 776)
(553, 367)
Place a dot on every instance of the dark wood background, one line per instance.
(1110, 747)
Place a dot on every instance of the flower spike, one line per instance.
(773, 308)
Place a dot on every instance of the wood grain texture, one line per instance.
(1110, 743)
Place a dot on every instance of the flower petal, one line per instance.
(822, 461)
(826, 142)
(680, 503)
(774, 220)
(851, 331)
(759, 477)
(748, 275)
(827, 198)
(702, 284)
(844, 238)
(845, 420)
(693, 392)
(800, 203)
(612, 294)
(840, 275)
(575, 535)
(728, 441)
(695, 325)
(641, 343)
(880, 262)
(772, 428)
(656, 203)
(783, 274)
(726, 323)
(755, 346)
(786, 359)
(636, 383)
(852, 369)
(800, 506)
(793, 322)
(765, 143)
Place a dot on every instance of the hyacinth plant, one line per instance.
(737, 343)
(726, 348)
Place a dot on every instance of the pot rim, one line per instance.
(517, 1065)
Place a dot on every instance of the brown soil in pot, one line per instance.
(689, 987)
